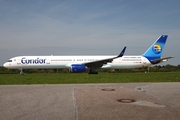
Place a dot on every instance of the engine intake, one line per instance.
(75, 68)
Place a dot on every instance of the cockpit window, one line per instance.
(9, 61)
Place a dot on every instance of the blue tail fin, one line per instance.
(156, 49)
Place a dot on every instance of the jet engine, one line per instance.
(75, 68)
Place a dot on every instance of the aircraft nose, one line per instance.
(5, 65)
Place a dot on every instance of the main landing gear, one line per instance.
(92, 71)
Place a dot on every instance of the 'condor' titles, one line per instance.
(33, 61)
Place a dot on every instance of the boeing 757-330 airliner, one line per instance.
(82, 63)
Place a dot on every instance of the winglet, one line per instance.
(122, 52)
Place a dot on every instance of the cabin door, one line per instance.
(18, 61)
(47, 61)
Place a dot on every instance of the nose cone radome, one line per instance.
(5, 65)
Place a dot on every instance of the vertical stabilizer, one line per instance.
(156, 49)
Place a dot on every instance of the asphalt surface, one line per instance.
(126, 101)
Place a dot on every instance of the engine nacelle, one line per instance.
(75, 68)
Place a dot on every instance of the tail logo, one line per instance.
(157, 49)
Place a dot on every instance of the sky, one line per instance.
(87, 27)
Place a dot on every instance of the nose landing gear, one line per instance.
(21, 72)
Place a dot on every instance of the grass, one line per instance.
(81, 78)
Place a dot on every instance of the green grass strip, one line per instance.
(81, 78)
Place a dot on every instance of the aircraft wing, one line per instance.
(161, 59)
(100, 63)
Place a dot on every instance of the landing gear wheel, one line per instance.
(93, 72)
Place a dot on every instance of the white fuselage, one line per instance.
(42, 62)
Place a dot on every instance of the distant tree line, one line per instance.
(157, 68)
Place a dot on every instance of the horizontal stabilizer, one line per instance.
(161, 59)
